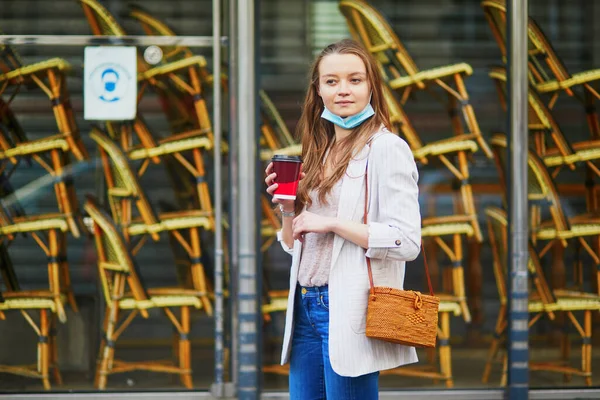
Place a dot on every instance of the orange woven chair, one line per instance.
(52, 153)
(542, 301)
(184, 73)
(123, 289)
(26, 302)
(401, 73)
(453, 155)
(549, 141)
(547, 72)
(50, 77)
(132, 211)
(542, 195)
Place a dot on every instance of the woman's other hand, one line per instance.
(309, 222)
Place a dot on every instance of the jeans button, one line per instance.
(304, 290)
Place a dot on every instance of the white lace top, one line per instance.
(315, 260)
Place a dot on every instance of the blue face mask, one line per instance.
(351, 121)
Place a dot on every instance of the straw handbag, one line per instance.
(401, 316)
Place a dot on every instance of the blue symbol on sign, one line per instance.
(110, 82)
(110, 78)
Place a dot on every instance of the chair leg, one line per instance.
(495, 346)
(64, 115)
(65, 273)
(565, 348)
(101, 348)
(458, 278)
(43, 349)
(587, 347)
(108, 351)
(445, 351)
(504, 378)
(185, 349)
(198, 275)
(54, 352)
(469, 115)
(54, 273)
(475, 278)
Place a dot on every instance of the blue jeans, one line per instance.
(311, 375)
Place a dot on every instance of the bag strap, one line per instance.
(368, 259)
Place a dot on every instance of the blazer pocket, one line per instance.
(358, 311)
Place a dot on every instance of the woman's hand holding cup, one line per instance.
(286, 195)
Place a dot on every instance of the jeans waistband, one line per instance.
(312, 291)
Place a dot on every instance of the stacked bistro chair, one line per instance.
(543, 199)
(403, 77)
(553, 147)
(549, 141)
(542, 301)
(54, 153)
(123, 289)
(185, 148)
(547, 72)
(132, 211)
(275, 138)
(49, 304)
(401, 73)
(448, 232)
(178, 82)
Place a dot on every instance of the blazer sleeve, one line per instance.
(396, 232)
(289, 250)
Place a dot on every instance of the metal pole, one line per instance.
(218, 388)
(234, 182)
(248, 327)
(91, 40)
(518, 316)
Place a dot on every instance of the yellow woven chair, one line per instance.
(184, 76)
(184, 73)
(123, 289)
(126, 198)
(453, 154)
(275, 136)
(49, 232)
(26, 302)
(550, 142)
(542, 194)
(547, 72)
(52, 153)
(50, 77)
(542, 301)
(400, 71)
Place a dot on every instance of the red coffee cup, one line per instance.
(287, 169)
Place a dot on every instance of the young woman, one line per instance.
(344, 130)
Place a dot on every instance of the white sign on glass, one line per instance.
(110, 83)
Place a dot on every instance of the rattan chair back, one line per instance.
(369, 27)
(497, 222)
(123, 188)
(544, 63)
(115, 264)
(541, 122)
(100, 19)
(542, 191)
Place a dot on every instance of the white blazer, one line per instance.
(394, 237)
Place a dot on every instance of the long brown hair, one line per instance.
(318, 135)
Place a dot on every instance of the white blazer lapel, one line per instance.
(352, 184)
